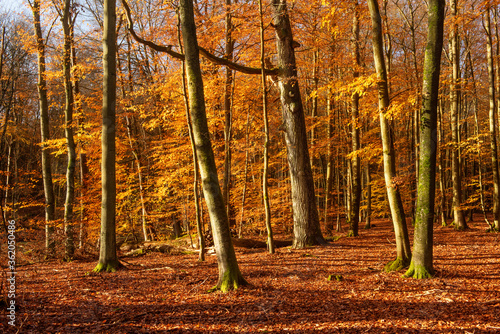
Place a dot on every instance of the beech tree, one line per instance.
(229, 273)
(307, 230)
(403, 252)
(458, 216)
(108, 260)
(421, 265)
(45, 130)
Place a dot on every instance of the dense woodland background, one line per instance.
(154, 169)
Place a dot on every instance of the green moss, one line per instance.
(396, 265)
(418, 272)
(351, 234)
(109, 267)
(230, 281)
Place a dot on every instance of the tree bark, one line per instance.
(199, 223)
(68, 131)
(108, 260)
(265, 172)
(44, 124)
(421, 265)
(458, 216)
(492, 121)
(355, 161)
(229, 273)
(305, 213)
(228, 89)
(403, 252)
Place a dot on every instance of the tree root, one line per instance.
(418, 272)
(229, 282)
(396, 265)
(109, 267)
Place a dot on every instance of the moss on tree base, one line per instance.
(109, 267)
(229, 282)
(396, 265)
(418, 272)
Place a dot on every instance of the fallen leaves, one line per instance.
(289, 291)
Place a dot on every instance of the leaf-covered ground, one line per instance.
(289, 291)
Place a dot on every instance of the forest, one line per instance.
(250, 166)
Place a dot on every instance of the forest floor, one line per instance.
(288, 292)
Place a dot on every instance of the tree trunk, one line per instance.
(329, 158)
(458, 216)
(368, 223)
(305, 213)
(44, 124)
(403, 252)
(422, 261)
(228, 89)
(108, 260)
(68, 131)
(492, 122)
(265, 172)
(200, 230)
(355, 161)
(229, 272)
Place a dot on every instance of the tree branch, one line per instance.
(204, 52)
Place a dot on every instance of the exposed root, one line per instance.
(109, 267)
(230, 281)
(418, 272)
(396, 265)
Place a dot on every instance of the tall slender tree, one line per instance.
(403, 252)
(265, 172)
(66, 19)
(492, 119)
(108, 260)
(421, 265)
(44, 124)
(458, 216)
(355, 161)
(229, 273)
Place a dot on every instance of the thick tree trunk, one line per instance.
(229, 272)
(422, 261)
(68, 131)
(403, 252)
(458, 216)
(305, 213)
(44, 124)
(492, 122)
(108, 260)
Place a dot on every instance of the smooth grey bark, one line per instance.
(458, 216)
(45, 134)
(421, 265)
(228, 90)
(305, 213)
(403, 252)
(108, 260)
(355, 160)
(265, 172)
(329, 163)
(68, 131)
(229, 273)
(199, 223)
(492, 121)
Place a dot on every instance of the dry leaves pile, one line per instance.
(289, 291)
